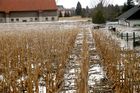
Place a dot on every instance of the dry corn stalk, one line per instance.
(121, 66)
(29, 59)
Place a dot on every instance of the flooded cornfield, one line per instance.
(66, 57)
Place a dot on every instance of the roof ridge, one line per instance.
(27, 5)
(129, 13)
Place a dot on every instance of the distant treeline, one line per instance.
(102, 13)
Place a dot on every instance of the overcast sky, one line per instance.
(84, 3)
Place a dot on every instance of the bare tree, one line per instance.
(104, 2)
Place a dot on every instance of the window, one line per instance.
(36, 19)
(12, 20)
(24, 20)
(52, 18)
(17, 20)
(47, 19)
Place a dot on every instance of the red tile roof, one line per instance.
(27, 5)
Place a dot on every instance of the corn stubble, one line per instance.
(84, 67)
(122, 66)
(28, 57)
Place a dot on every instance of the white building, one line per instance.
(63, 12)
(130, 17)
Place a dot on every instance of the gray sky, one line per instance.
(84, 3)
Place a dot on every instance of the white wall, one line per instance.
(129, 22)
(50, 18)
(32, 19)
(63, 13)
(134, 22)
(14, 17)
(23, 19)
(123, 22)
(2, 20)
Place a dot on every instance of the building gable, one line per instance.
(135, 16)
(129, 13)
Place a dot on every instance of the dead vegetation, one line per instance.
(84, 67)
(29, 59)
(122, 67)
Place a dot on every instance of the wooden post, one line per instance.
(134, 39)
(127, 37)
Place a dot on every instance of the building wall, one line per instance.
(2, 14)
(23, 19)
(70, 12)
(49, 16)
(29, 16)
(123, 22)
(130, 23)
(63, 13)
(49, 13)
(134, 23)
(2, 17)
(23, 14)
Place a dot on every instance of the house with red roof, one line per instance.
(27, 11)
